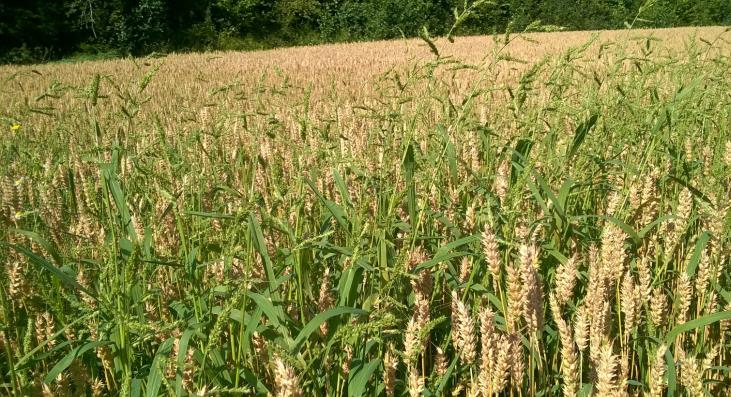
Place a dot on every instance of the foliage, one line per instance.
(55, 29)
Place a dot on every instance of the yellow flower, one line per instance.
(15, 126)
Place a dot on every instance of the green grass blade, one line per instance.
(267, 307)
(670, 373)
(360, 377)
(409, 167)
(700, 246)
(154, 378)
(580, 135)
(697, 323)
(314, 324)
(334, 209)
(43, 263)
(257, 239)
(43, 243)
(64, 363)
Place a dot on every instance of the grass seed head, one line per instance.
(658, 307)
(325, 300)
(416, 382)
(629, 303)
(44, 327)
(516, 357)
(463, 331)
(440, 362)
(581, 327)
(569, 354)
(488, 348)
(97, 388)
(286, 379)
(606, 371)
(412, 341)
(502, 180)
(691, 376)
(18, 288)
(656, 375)
(533, 300)
(491, 251)
(566, 280)
(390, 363)
(516, 296)
(683, 295)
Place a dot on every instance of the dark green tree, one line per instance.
(33, 30)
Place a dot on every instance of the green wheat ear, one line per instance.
(424, 35)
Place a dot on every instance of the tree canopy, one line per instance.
(39, 30)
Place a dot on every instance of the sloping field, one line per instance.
(536, 214)
(350, 68)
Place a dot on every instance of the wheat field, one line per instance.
(526, 214)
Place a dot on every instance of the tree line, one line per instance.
(41, 30)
